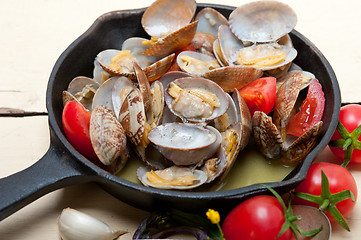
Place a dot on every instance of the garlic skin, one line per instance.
(75, 225)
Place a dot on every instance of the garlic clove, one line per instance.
(75, 225)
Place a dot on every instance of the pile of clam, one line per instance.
(188, 126)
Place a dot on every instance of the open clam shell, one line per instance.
(173, 173)
(196, 63)
(262, 21)
(166, 16)
(209, 21)
(181, 107)
(124, 67)
(229, 45)
(81, 89)
(184, 143)
(122, 86)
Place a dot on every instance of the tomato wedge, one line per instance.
(76, 121)
(260, 95)
(311, 110)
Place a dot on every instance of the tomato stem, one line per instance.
(328, 201)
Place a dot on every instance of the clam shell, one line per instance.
(108, 138)
(244, 117)
(171, 76)
(155, 112)
(232, 77)
(83, 89)
(229, 45)
(184, 143)
(203, 42)
(202, 64)
(299, 149)
(132, 116)
(136, 47)
(120, 83)
(204, 84)
(174, 41)
(105, 57)
(144, 86)
(286, 97)
(166, 16)
(199, 175)
(217, 51)
(99, 75)
(159, 68)
(103, 96)
(230, 116)
(262, 21)
(266, 136)
(290, 52)
(209, 21)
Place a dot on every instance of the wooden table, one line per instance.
(34, 34)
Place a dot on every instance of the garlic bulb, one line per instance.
(75, 225)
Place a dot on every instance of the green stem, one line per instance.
(323, 207)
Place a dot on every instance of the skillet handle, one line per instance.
(53, 171)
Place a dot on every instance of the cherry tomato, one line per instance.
(260, 95)
(174, 66)
(339, 180)
(350, 117)
(260, 217)
(76, 121)
(311, 110)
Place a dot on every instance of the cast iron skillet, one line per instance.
(62, 165)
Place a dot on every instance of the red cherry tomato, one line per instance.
(260, 217)
(350, 117)
(260, 95)
(339, 180)
(174, 66)
(76, 122)
(311, 110)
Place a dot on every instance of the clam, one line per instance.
(262, 21)
(203, 43)
(209, 21)
(196, 63)
(120, 63)
(185, 143)
(108, 138)
(132, 117)
(122, 86)
(168, 23)
(81, 89)
(99, 75)
(196, 99)
(181, 178)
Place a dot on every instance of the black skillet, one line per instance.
(62, 165)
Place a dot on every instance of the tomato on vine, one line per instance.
(331, 188)
(345, 143)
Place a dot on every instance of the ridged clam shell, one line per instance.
(286, 97)
(132, 116)
(166, 16)
(209, 21)
(174, 41)
(159, 68)
(262, 21)
(298, 150)
(107, 137)
(144, 86)
(119, 84)
(104, 59)
(266, 136)
(200, 176)
(232, 77)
